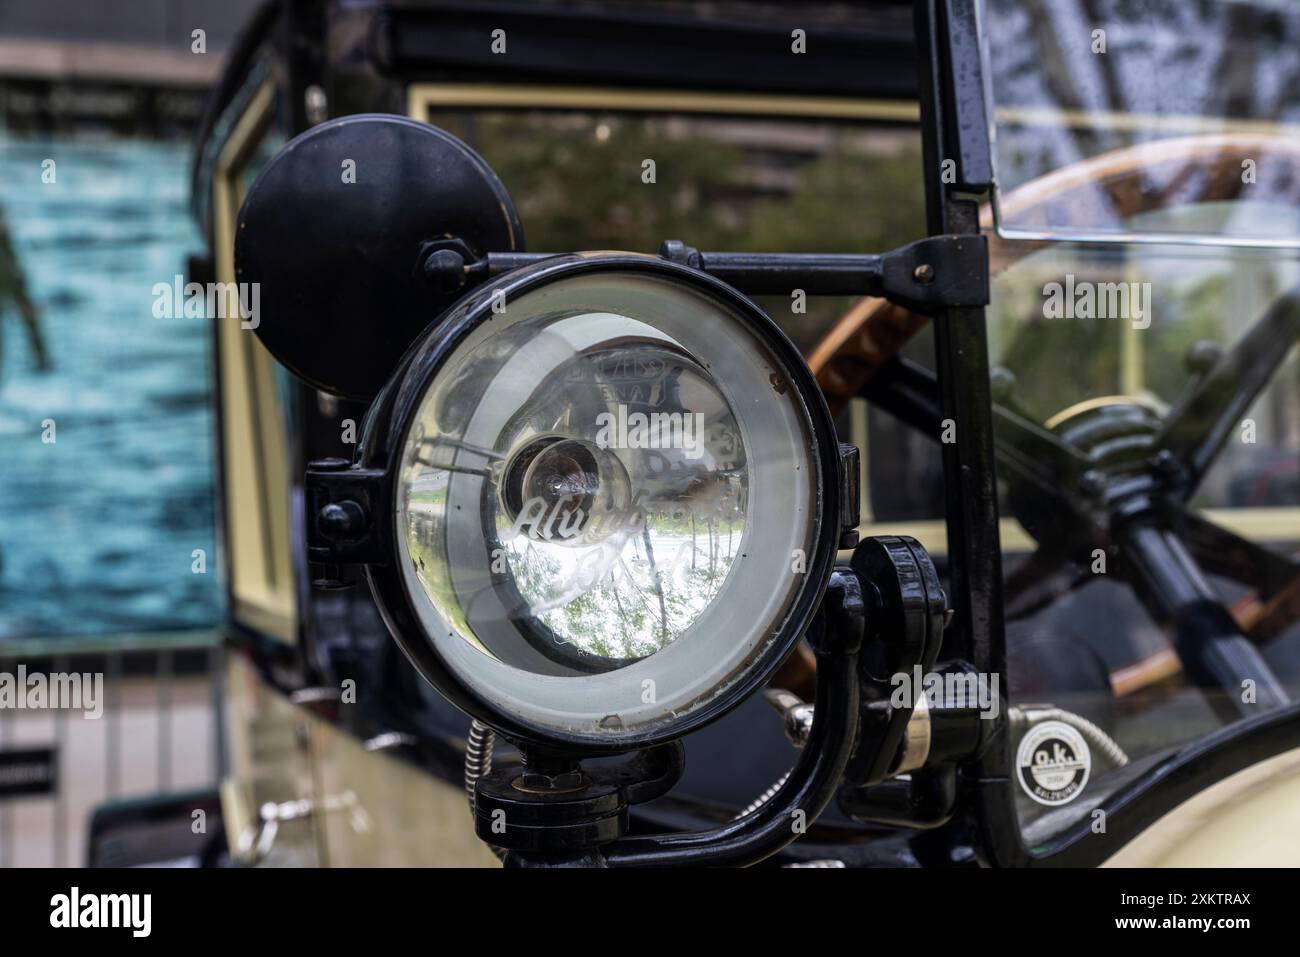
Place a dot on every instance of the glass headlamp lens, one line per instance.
(604, 499)
(620, 529)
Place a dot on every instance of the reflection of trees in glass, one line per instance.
(1200, 311)
(1058, 362)
(576, 179)
(425, 525)
(1169, 58)
(1152, 68)
(640, 598)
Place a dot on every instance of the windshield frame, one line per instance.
(956, 122)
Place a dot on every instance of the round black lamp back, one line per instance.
(334, 232)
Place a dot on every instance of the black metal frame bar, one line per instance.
(866, 56)
(954, 126)
(924, 275)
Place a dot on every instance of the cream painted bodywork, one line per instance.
(255, 469)
(269, 763)
(1249, 819)
(412, 819)
(370, 809)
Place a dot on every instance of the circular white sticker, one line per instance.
(1052, 763)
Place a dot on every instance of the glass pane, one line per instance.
(1132, 108)
(1123, 575)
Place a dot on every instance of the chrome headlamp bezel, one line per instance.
(394, 411)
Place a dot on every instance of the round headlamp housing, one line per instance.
(615, 500)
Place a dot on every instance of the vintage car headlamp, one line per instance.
(614, 499)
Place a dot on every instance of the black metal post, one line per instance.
(954, 127)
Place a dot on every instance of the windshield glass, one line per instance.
(1150, 543)
(1147, 399)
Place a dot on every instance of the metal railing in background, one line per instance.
(161, 730)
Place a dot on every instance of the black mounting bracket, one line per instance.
(903, 768)
(906, 632)
(548, 807)
(930, 274)
(342, 506)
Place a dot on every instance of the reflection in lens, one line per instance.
(615, 501)
(624, 535)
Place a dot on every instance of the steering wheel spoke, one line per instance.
(1216, 654)
(1197, 428)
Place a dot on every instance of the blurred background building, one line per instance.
(107, 534)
